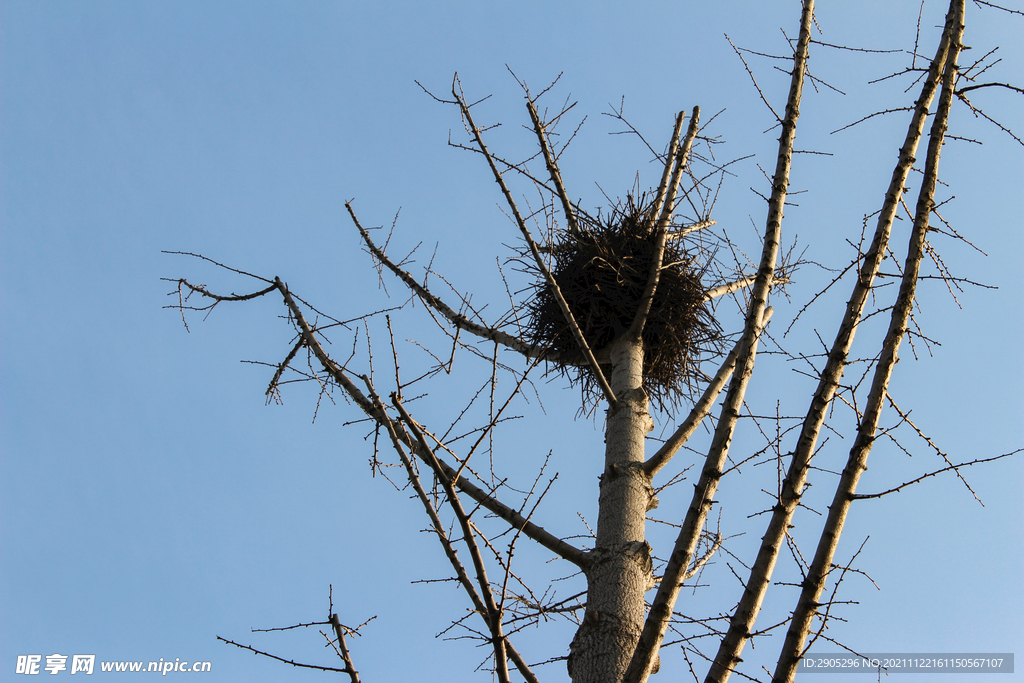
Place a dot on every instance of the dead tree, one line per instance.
(621, 305)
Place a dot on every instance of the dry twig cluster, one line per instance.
(602, 271)
(620, 306)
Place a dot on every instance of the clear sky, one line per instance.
(150, 501)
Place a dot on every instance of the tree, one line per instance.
(623, 305)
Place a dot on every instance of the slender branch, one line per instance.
(516, 520)
(703, 559)
(700, 410)
(556, 292)
(502, 645)
(994, 6)
(968, 88)
(272, 388)
(216, 263)
(814, 584)
(457, 319)
(978, 112)
(460, 571)
(332, 368)
(493, 611)
(682, 158)
(199, 289)
(339, 631)
(730, 287)
(956, 468)
(689, 229)
(742, 283)
(552, 166)
(871, 116)
(282, 659)
(289, 628)
(533, 531)
(686, 542)
(670, 160)
(791, 490)
(521, 665)
(754, 80)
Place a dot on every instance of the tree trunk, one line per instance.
(619, 571)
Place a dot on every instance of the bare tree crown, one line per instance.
(631, 304)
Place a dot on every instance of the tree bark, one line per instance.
(619, 571)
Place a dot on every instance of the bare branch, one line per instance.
(216, 263)
(272, 391)
(799, 628)
(700, 410)
(704, 559)
(545, 538)
(704, 491)
(999, 7)
(735, 286)
(955, 468)
(552, 165)
(670, 161)
(791, 491)
(458, 320)
(689, 229)
(340, 633)
(968, 88)
(681, 159)
(754, 80)
(978, 112)
(282, 659)
(541, 266)
(492, 615)
(871, 116)
(435, 521)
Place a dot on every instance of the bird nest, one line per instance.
(602, 272)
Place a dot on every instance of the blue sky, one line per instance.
(150, 501)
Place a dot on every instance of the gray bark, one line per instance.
(619, 571)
